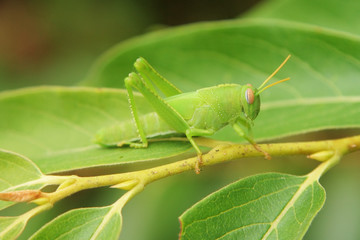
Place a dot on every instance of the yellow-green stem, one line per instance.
(217, 155)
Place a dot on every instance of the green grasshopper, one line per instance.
(199, 113)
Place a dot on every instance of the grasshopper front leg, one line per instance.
(238, 129)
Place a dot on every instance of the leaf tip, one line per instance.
(181, 229)
(321, 156)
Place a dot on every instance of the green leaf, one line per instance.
(55, 126)
(327, 13)
(264, 206)
(11, 164)
(11, 227)
(324, 68)
(85, 223)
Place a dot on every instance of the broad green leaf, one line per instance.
(85, 223)
(55, 126)
(11, 227)
(327, 13)
(324, 69)
(17, 173)
(264, 206)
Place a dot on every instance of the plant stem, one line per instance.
(329, 152)
(219, 154)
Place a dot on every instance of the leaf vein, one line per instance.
(242, 205)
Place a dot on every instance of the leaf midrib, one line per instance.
(311, 178)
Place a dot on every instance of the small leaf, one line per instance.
(11, 227)
(84, 223)
(264, 206)
(16, 173)
(55, 126)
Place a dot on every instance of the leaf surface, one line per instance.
(11, 227)
(325, 13)
(85, 223)
(55, 127)
(264, 206)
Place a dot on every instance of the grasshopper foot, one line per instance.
(132, 144)
(198, 163)
(267, 155)
(138, 145)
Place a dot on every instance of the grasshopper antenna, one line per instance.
(280, 81)
(262, 88)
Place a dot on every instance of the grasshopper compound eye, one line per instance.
(249, 95)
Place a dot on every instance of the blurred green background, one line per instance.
(56, 42)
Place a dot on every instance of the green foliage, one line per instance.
(330, 13)
(274, 205)
(322, 74)
(321, 82)
(82, 224)
(11, 227)
(11, 165)
(54, 126)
